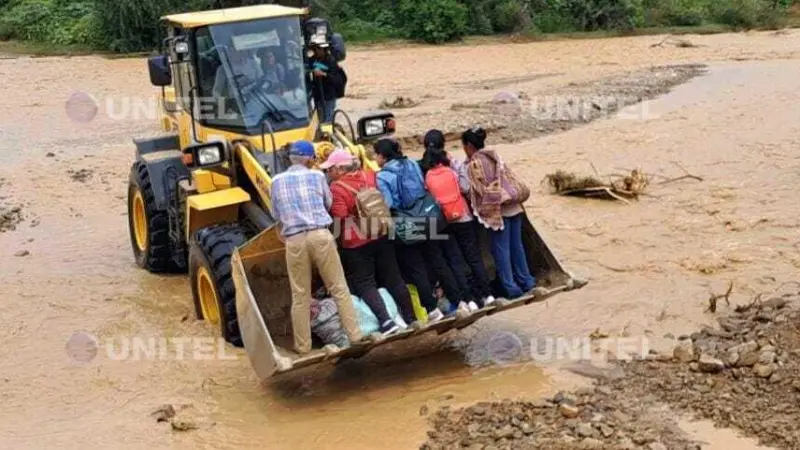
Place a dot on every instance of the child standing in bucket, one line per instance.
(496, 197)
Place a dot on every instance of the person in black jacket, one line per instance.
(329, 80)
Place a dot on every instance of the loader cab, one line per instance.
(232, 76)
(249, 72)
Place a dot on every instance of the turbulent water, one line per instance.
(652, 264)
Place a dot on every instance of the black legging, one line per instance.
(416, 260)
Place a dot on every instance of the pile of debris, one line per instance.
(620, 186)
(623, 188)
(399, 102)
(743, 375)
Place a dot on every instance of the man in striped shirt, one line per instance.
(300, 202)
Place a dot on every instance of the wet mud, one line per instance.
(76, 297)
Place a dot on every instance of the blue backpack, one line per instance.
(419, 213)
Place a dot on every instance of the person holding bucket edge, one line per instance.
(496, 196)
(401, 182)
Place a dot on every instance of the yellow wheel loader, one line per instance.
(236, 91)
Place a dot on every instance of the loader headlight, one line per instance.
(376, 125)
(207, 154)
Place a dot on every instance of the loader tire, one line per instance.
(212, 280)
(148, 226)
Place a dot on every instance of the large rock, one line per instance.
(585, 430)
(569, 411)
(774, 303)
(732, 358)
(708, 364)
(504, 432)
(764, 370)
(748, 359)
(591, 443)
(706, 347)
(684, 352)
(623, 418)
(747, 347)
(766, 358)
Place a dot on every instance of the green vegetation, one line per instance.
(129, 25)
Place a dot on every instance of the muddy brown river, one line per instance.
(651, 264)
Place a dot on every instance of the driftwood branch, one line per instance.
(684, 177)
(660, 44)
(612, 194)
(744, 308)
(687, 175)
(683, 43)
(712, 301)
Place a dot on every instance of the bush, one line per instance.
(132, 25)
(30, 20)
(591, 15)
(741, 14)
(433, 21)
(50, 21)
(678, 13)
(552, 21)
(510, 15)
(361, 30)
(480, 22)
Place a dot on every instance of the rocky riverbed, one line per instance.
(513, 116)
(742, 375)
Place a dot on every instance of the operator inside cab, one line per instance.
(246, 70)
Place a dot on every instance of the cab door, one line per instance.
(183, 74)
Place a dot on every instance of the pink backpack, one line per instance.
(442, 183)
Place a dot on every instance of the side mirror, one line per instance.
(160, 73)
(375, 125)
(205, 155)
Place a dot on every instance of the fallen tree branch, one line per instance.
(744, 308)
(661, 44)
(685, 177)
(712, 301)
(623, 189)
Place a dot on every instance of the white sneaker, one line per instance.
(435, 316)
(473, 306)
(389, 328)
(400, 322)
(463, 310)
(488, 300)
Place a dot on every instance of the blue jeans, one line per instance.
(509, 258)
(327, 113)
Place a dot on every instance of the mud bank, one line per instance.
(742, 375)
(514, 116)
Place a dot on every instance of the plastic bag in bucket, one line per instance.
(367, 321)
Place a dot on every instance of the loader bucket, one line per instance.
(263, 300)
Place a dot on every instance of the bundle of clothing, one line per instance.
(327, 326)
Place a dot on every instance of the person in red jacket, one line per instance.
(369, 262)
